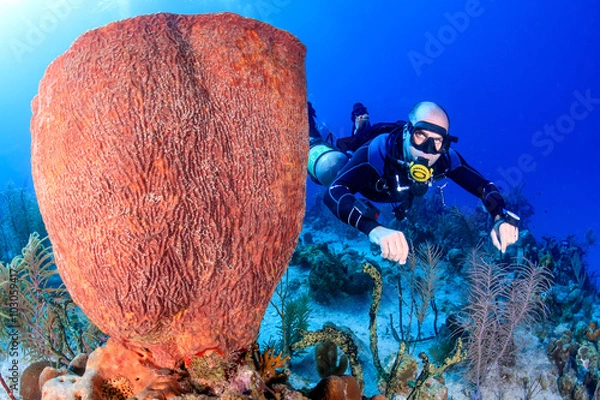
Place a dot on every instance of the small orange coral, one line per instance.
(269, 363)
(593, 332)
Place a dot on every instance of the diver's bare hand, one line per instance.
(394, 246)
(504, 235)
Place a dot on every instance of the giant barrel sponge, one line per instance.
(168, 156)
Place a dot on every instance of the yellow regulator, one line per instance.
(420, 172)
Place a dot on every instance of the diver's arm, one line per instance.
(473, 182)
(358, 174)
(340, 198)
(506, 224)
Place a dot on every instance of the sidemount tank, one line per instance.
(324, 162)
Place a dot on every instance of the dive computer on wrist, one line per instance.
(511, 218)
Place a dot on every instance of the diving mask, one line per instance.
(420, 140)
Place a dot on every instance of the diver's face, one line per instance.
(360, 121)
(412, 154)
(429, 143)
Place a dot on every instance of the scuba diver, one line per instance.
(395, 167)
(362, 130)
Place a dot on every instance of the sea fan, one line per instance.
(500, 300)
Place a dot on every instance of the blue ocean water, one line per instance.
(519, 80)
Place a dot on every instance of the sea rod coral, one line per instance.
(168, 158)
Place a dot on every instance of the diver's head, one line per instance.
(359, 116)
(426, 133)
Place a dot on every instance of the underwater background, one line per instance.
(519, 80)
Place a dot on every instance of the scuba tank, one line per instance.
(324, 159)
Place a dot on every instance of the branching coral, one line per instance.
(37, 307)
(499, 301)
(294, 316)
(427, 284)
(270, 363)
(593, 332)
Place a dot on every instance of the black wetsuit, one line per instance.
(380, 178)
(368, 132)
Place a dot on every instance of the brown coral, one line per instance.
(168, 156)
(337, 388)
(593, 332)
(29, 388)
(326, 358)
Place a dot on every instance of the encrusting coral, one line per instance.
(168, 155)
(113, 371)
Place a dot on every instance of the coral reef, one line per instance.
(113, 371)
(400, 376)
(577, 359)
(524, 305)
(168, 155)
(117, 372)
(330, 277)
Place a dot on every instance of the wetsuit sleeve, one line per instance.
(340, 198)
(472, 181)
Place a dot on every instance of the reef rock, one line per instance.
(113, 372)
(168, 156)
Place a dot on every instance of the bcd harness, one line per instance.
(404, 180)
